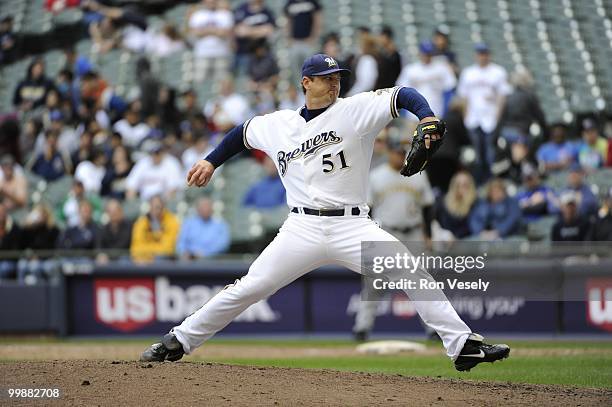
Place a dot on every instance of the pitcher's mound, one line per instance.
(121, 383)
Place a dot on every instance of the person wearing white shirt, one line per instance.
(366, 70)
(430, 77)
(131, 129)
(229, 109)
(211, 27)
(91, 173)
(484, 86)
(155, 174)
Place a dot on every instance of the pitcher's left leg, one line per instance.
(345, 250)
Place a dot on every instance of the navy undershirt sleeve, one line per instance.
(231, 145)
(414, 102)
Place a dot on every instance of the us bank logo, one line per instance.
(128, 305)
(599, 302)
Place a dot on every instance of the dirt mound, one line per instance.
(100, 382)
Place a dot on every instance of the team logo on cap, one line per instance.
(331, 62)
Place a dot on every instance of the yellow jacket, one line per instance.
(148, 244)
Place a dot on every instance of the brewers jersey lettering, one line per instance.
(318, 159)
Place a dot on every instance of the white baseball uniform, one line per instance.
(398, 204)
(323, 164)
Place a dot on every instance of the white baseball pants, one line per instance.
(306, 242)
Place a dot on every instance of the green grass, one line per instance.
(582, 371)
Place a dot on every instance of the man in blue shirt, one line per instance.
(558, 153)
(536, 199)
(267, 193)
(201, 235)
(254, 23)
(304, 20)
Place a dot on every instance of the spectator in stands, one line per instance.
(93, 87)
(84, 151)
(32, 129)
(443, 51)
(8, 41)
(431, 79)
(484, 85)
(445, 163)
(13, 184)
(91, 173)
(68, 210)
(304, 22)
(164, 42)
(200, 149)
(229, 108)
(167, 111)
(210, 27)
(114, 181)
(202, 235)
(254, 22)
(607, 133)
(498, 216)
(157, 173)
(389, 60)
(602, 226)
(571, 227)
(558, 153)
(331, 47)
(67, 140)
(39, 233)
(10, 136)
(291, 99)
(154, 235)
(116, 235)
(68, 89)
(585, 199)
(84, 234)
(10, 239)
(190, 108)
(593, 150)
(149, 89)
(263, 69)
(132, 130)
(31, 92)
(366, 68)
(512, 158)
(454, 211)
(118, 26)
(267, 193)
(535, 200)
(521, 109)
(50, 164)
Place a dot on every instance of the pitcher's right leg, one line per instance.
(296, 250)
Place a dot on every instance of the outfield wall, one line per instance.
(128, 299)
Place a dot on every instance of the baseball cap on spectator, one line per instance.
(396, 145)
(152, 146)
(528, 171)
(442, 30)
(481, 48)
(56, 116)
(589, 124)
(321, 64)
(568, 197)
(427, 47)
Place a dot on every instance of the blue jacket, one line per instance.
(504, 217)
(202, 238)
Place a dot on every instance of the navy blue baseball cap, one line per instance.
(321, 64)
(427, 47)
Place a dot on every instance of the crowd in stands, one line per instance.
(491, 179)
